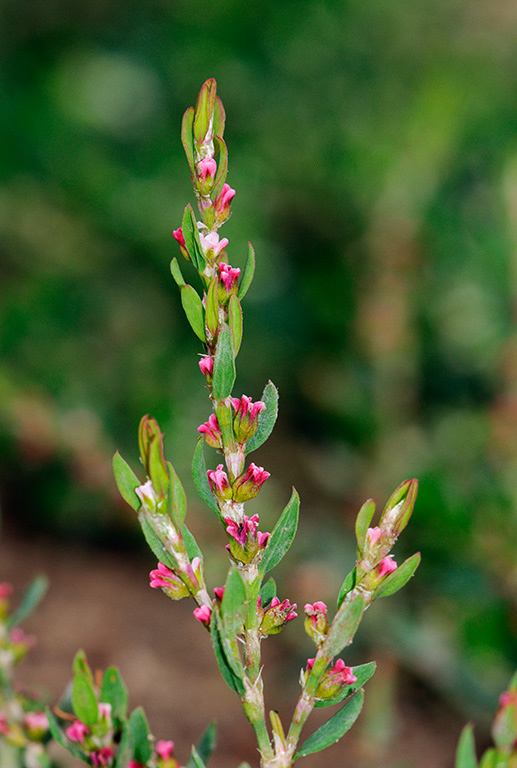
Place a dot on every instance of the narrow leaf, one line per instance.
(334, 728)
(233, 606)
(140, 736)
(363, 673)
(346, 587)
(114, 692)
(126, 481)
(60, 736)
(201, 479)
(364, 518)
(196, 759)
(161, 554)
(191, 236)
(219, 117)
(187, 136)
(235, 323)
(399, 577)
(266, 418)
(491, 759)
(247, 275)
(344, 626)
(194, 311)
(212, 309)
(229, 677)
(268, 592)
(84, 700)
(206, 744)
(191, 544)
(176, 273)
(80, 664)
(466, 751)
(224, 366)
(282, 536)
(204, 109)
(176, 499)
(31, 598)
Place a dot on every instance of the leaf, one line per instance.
(176, 499)
(466, 751)
(187, 136)
(155, 544)
(363, 673)
(204, 109)
(346, 587)
(334, 728)
(282, 536)
(266, 418)
(196, 759)
(235, 323)
(206, 744)
(126, 481)
(191, 236)
(114, 692)
(191, 544)
(219, 117)
(491, 759)
(268, 592)
(398, 578)
(140, 736)
(200, 477)
(233, 606)
(31, 598)
(80, 664)
(362, 523)
(84, 700)
(60, 736)
(230, 678)
(224, 366)
(247, 275)
(344, 626)
(222, 166)
(212, 309)
(194, 311)
(176, 273)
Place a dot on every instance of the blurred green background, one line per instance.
(373, 147)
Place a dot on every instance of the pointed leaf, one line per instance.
(191, 544)
(114, 692)
(187, 136)
(282, 536)
(194, 311)
(156, 546)
(126, 481)
(399, 577)
(201, 479)
(60, 736)
(176, 273)
(363, 673)
(212, 309)
(224, 366)
(196, 759)
(32, 597)
(364, 518)
(176, 499)
(346, 587)
(249, 271)
(191, 236)
(80, 664)
(222, 167)
(334, 728)
(491, 759)
(204, 109)
(235, 323)
(266, 418)
(344, 626)
(230, 678)
(140, 736)
(206, 744)
(466, 752)
(268, 592)
(84, 699)
(233, 606)
(219, 117)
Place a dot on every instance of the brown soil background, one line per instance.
(101, 602)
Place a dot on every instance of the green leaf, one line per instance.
(201, 479)
(268, 592)
(31, 598)
(247, 275)
(363, 673)
(140, 736)
(176, 273)
(224, 366)
(155, 544)
(176, 499)
(206, 744)
(492, 759)
(222, 167)
(334, 728)
(266, 418)
(466, 752)
(219, 117)
(80, 664)
(194, 311)
(191, 544)
(59, 735)
(84, 700)
(282, 535)
(114, 692)
(196, 759)
(344, 626)
(362, 523)
(398, 578)
(187, 136)
(191, 236)
(235, 323)
(126, 481)
(231, 679)
(233, 606)
(212, 309)
(346, 587)
(204, 109)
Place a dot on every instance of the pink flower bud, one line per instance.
(246, 412)
(316, 622)
(148, 496)
(245, 538)
(4, 725)
(223, 202)
(228, 276)
(178, 236)
(373, 535)
(206, 167)
(212, 432)
(212, 243)
(36, 723)
(219, 592)
(386, 566)
(218, 481)
(105, 710)
(164, 749)
(203, 614)
(341, 674)
(102, 757)
(276, 616)
(207, 365)
(163, 578)
(248, 485)
(77, 732)
(135, 764)
(6, 590)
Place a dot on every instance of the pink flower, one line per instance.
(206, 167)
(207, 365)
(245, 406)
(163, 578)
(222, 204)
(77, 731)
(386, 566)
(211, 242)
(247, 486)
(241, 531)
(212, 432)
(219, 592)
(147, 495)
(19, 637)
(228, 275)
(135, 764)
(218, 481)
(4, 725)
(247, 540)
(313, 610)
(203, 614)
(105, 710)
(102, 757)
(341, 674)
(178, 235)
(276, 616)
(373, 535)
(164, 749)
(6, 590)
(159, 577)
(36, 722)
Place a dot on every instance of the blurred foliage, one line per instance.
(373, 147)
